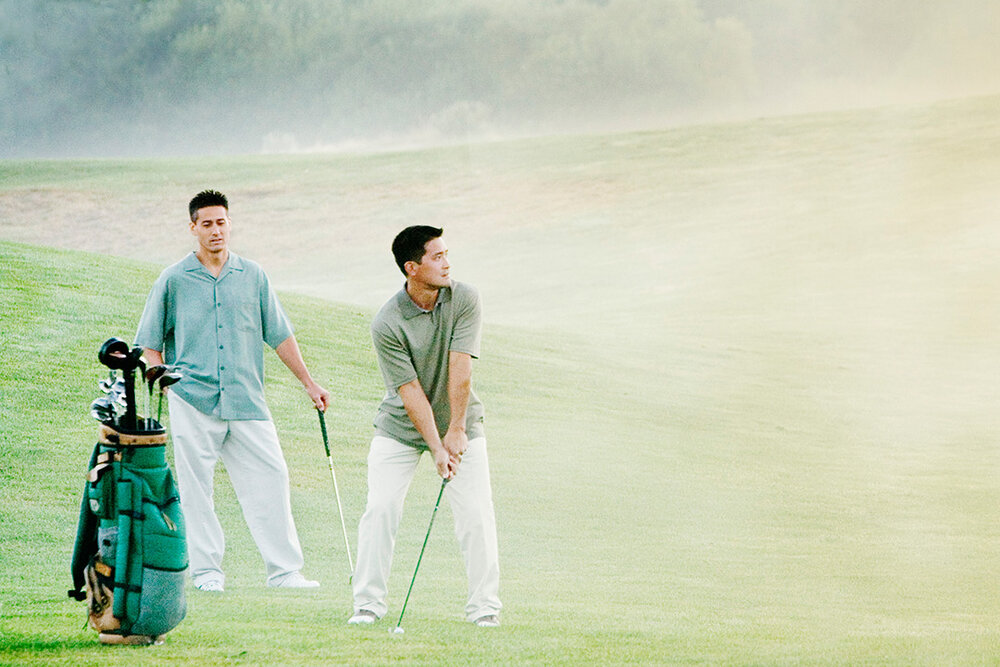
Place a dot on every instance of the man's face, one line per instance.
(433, 269)
(211, 227)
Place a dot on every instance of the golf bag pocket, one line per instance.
(159, 611)
(107, 543)
(101, 487)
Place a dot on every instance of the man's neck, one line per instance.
(213, 261)
(425, 297)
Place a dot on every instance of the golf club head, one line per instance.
(168, 378)
(135, 359)
(153, 374)
(102, 410)
(116, 394)
(396, 630)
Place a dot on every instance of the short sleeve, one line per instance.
(393, 358)
(153, 325)
(468, 327)
(275, 325)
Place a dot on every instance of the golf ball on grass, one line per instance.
(396, 631)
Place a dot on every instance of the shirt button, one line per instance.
(222, 368)
(222, 347)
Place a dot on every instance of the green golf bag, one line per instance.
(130, 557)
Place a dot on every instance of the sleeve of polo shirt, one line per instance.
(466, 335)
(153, 325)
(275, 325)
(393, 358)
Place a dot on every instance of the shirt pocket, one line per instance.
(247, 316)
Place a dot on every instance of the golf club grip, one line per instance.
(322, 428)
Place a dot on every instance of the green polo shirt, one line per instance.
(214, 330)
(412, 343)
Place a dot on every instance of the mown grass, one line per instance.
(62, 305)
(740, 380)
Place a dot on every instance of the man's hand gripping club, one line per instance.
(418, 408)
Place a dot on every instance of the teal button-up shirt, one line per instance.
(214, 330)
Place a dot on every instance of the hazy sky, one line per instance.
(121, 77)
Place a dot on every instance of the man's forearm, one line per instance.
(289, 353)
(459, 387)
(418, 409)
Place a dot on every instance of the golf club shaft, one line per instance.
(444, 481)
(336, 491)
(343, 525)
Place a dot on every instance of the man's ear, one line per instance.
(410, 267)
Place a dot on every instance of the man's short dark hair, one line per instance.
(408, 246)
(207, 198)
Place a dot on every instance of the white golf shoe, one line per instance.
(294, 580)
(362, 617)
(211, 586)
(488, 621)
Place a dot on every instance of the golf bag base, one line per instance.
(130, 557)
(131, 640)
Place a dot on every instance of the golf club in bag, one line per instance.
(130, 555)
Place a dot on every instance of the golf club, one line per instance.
(103, 410)
(151, 376)
(168, 378)
(336, 491)
(117, 391)
(398, 630)
(105, 385)
(134, 362)
(116, 355)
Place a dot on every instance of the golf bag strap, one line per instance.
(85, 546)
(109, 436)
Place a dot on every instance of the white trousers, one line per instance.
(252, 455)
(391, 466)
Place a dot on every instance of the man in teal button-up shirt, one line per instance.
(210, 315)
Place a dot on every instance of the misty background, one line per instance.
(176, 77)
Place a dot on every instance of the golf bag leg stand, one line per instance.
(130, 556)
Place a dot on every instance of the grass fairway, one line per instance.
(560, 570)
(741, 390)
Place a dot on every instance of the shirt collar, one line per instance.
(408, 309)
(233, 263)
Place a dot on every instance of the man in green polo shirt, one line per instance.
(426, 337)
(210, 315)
